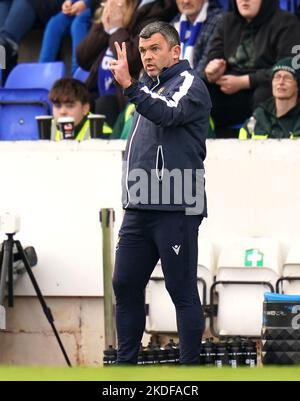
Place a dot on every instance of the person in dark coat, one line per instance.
(279, 116)
(95, 51)
(161, 220)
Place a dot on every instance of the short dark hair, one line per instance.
(66, 90)
(166, 30)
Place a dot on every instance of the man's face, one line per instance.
(284, 85)
(157, 55)
(190, 8)
(74, 109)
(249, 8)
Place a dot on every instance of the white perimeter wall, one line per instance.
(253, 189)
(58, 190)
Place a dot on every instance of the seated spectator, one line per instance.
(71, 98)
(246, 44)
(16, 18)
(124, 122)
(195, 24)
(118, 21)
(74, 20)
(279, 116)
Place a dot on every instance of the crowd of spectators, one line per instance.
(246, 44)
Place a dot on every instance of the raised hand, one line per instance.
(119, 67)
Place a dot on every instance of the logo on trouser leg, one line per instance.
(117, 245)
(176, 249)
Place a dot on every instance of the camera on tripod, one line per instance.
(10, 224)
(13, 261)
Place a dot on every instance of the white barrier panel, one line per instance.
(58, 190)
(253, 189)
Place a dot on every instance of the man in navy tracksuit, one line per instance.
(163, 190)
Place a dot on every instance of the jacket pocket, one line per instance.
(160, 163)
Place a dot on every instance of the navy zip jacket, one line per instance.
(163, 166)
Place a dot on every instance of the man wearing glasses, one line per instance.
(279, 116)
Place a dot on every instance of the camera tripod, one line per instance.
(6, 270)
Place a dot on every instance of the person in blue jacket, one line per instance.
(163, 190)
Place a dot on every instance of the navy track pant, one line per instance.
(144, 237)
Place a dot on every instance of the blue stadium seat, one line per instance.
(24, 96)
(283, 4)
(18, 108)
(35, 75)
(225, 4)
(81, 74)
(288, 5)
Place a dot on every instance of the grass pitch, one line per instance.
(148, 373)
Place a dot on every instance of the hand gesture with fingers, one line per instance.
(119, 67)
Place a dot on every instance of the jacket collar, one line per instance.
(167, 73)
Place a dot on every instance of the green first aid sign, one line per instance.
(253, 258)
